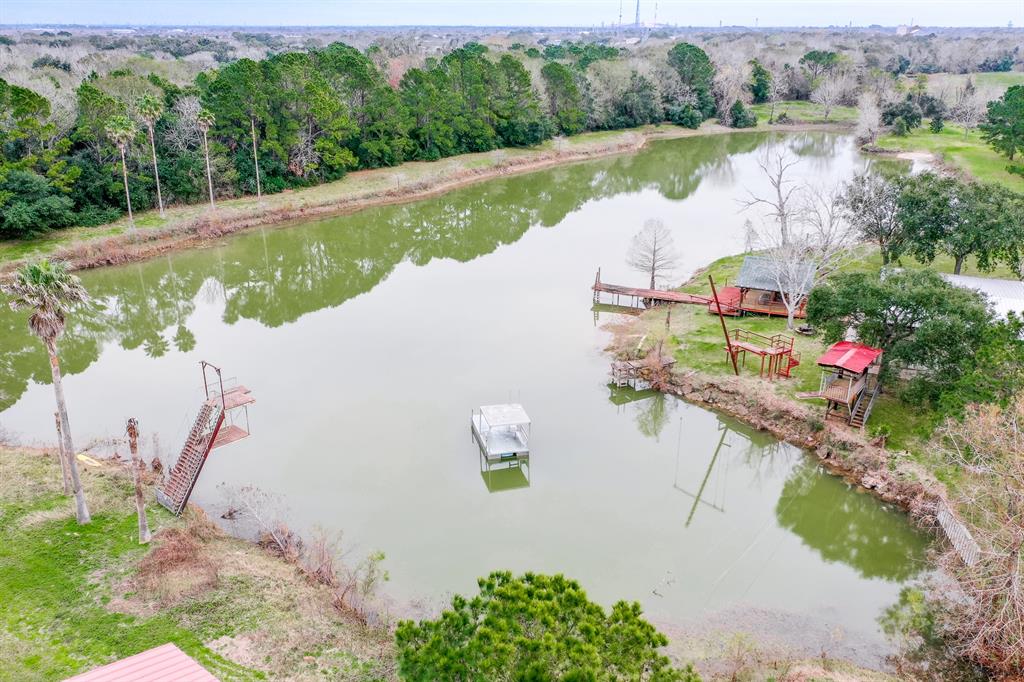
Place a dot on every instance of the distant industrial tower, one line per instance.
(637, 20)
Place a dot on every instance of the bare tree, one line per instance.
(652, 251)
(792, 271)
(869, 119)
(830, 91)
(138, 468)
(870, 203)
(776, 87)
(782, 206)
(968, 107)
(817, 240)
(987, 624)
(183, 133)
(826, 227)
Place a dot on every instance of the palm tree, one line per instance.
(120, 130)
(150, 109)
(48, 289)
(205, 121)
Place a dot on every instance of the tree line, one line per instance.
(297, 119)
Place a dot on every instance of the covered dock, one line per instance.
(501, 431)
(502, 434)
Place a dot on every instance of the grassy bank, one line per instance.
(802, 111)
(695, 339)
(965, 152)
(185, 226)
(75, 597)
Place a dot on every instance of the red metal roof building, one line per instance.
(849, 381)
(165, 663)
(849, 355)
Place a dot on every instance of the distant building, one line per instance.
(905, 30)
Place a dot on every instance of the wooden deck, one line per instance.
(838, 391)
(730, 297)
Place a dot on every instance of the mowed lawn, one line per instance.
(966, 151)
(804, 112)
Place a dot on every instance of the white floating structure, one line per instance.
(502, 431)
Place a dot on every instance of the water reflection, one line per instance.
(850, 528)
(510, 475)
(698, 496)
(277, 276)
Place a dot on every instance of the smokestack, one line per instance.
(637, 22)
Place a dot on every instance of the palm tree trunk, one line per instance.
(209, 176)
(81, 509)
(62, 456)
(255, 158)
(137, 469)
(127, 194)
(156, 171)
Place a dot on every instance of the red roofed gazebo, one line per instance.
(849, 380)
(850, 356)
(166, 663)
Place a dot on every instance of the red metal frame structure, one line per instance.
(776, 349)
(207, 433)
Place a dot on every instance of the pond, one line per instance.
(368, 338)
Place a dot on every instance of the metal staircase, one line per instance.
(210, 430)
(185, 472)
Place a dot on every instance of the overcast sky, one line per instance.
(520, 12)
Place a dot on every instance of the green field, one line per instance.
(804, 112)
(72, 601)
(967, 152)
(940, 84)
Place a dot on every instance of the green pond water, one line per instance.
(368, 338)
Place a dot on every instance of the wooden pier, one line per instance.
(733, 301)
(642, 298)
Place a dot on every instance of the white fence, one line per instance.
(958, 535)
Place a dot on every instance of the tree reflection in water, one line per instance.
(275, 276)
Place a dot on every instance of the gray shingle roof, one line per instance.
(756, 273)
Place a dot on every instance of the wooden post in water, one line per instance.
(137, 470)
(62, 456)
(728, 341)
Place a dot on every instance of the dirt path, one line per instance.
(196, 225)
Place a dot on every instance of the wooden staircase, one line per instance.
(209, 431)
(862, 408)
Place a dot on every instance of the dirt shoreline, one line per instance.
(192, 226)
